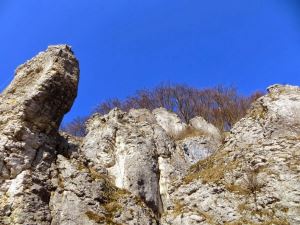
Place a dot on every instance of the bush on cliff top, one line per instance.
(221, 105)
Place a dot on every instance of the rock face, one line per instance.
(31, 110)
(137, 151)
(43, 180)
(170, 122)
(196, 140)
(130, 146)
(255, 177)
(142, 167)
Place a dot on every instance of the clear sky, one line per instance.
(125, 45)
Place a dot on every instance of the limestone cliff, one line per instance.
(255, 177)
(142, 167)
(31, 110)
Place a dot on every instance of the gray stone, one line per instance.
(142, 167)
(255, 176)
(31, 109)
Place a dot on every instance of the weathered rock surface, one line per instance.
(139, 153)
(255, 177)
(170, 122)
(43, 178)
(135, 151)
(87, 196)
(197, 140)
(31, 110)
(142, 167)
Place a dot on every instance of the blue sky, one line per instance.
(125, 45)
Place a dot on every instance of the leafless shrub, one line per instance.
(76, 127)
(252, 184)
(108, 105)
(221, 106)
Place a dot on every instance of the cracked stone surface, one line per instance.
(31, 110)
(255, 177)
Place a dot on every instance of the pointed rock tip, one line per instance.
(60, 47)
(281, 87)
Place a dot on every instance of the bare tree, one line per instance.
(108, 105)
(222, 106)
(252, 184)
(76, 127)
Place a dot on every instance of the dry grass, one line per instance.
(268, 213)
(237, 189)
(244, 221)
(61, 183)
(252, 184)
(208, 218)
(111, 206)
(95, 217)
(187, 133)
(96, 175)
(211, 169)
(243, 207)
(111, 196)
(293, 161)
(178, 208)
(259, 111)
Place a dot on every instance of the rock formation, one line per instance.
(142, 167)
(255, 177)
(137, 153)
(31, 110)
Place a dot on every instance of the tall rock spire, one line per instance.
(31, 109)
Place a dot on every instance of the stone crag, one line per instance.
(31, 110)
(142, 167)
(254, 178)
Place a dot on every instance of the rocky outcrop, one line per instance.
(31, 110)
(197, 140)
(84, 195)
(134, 150)
(170, 122)
(254, 178)
(142, 167)
(43, 178)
